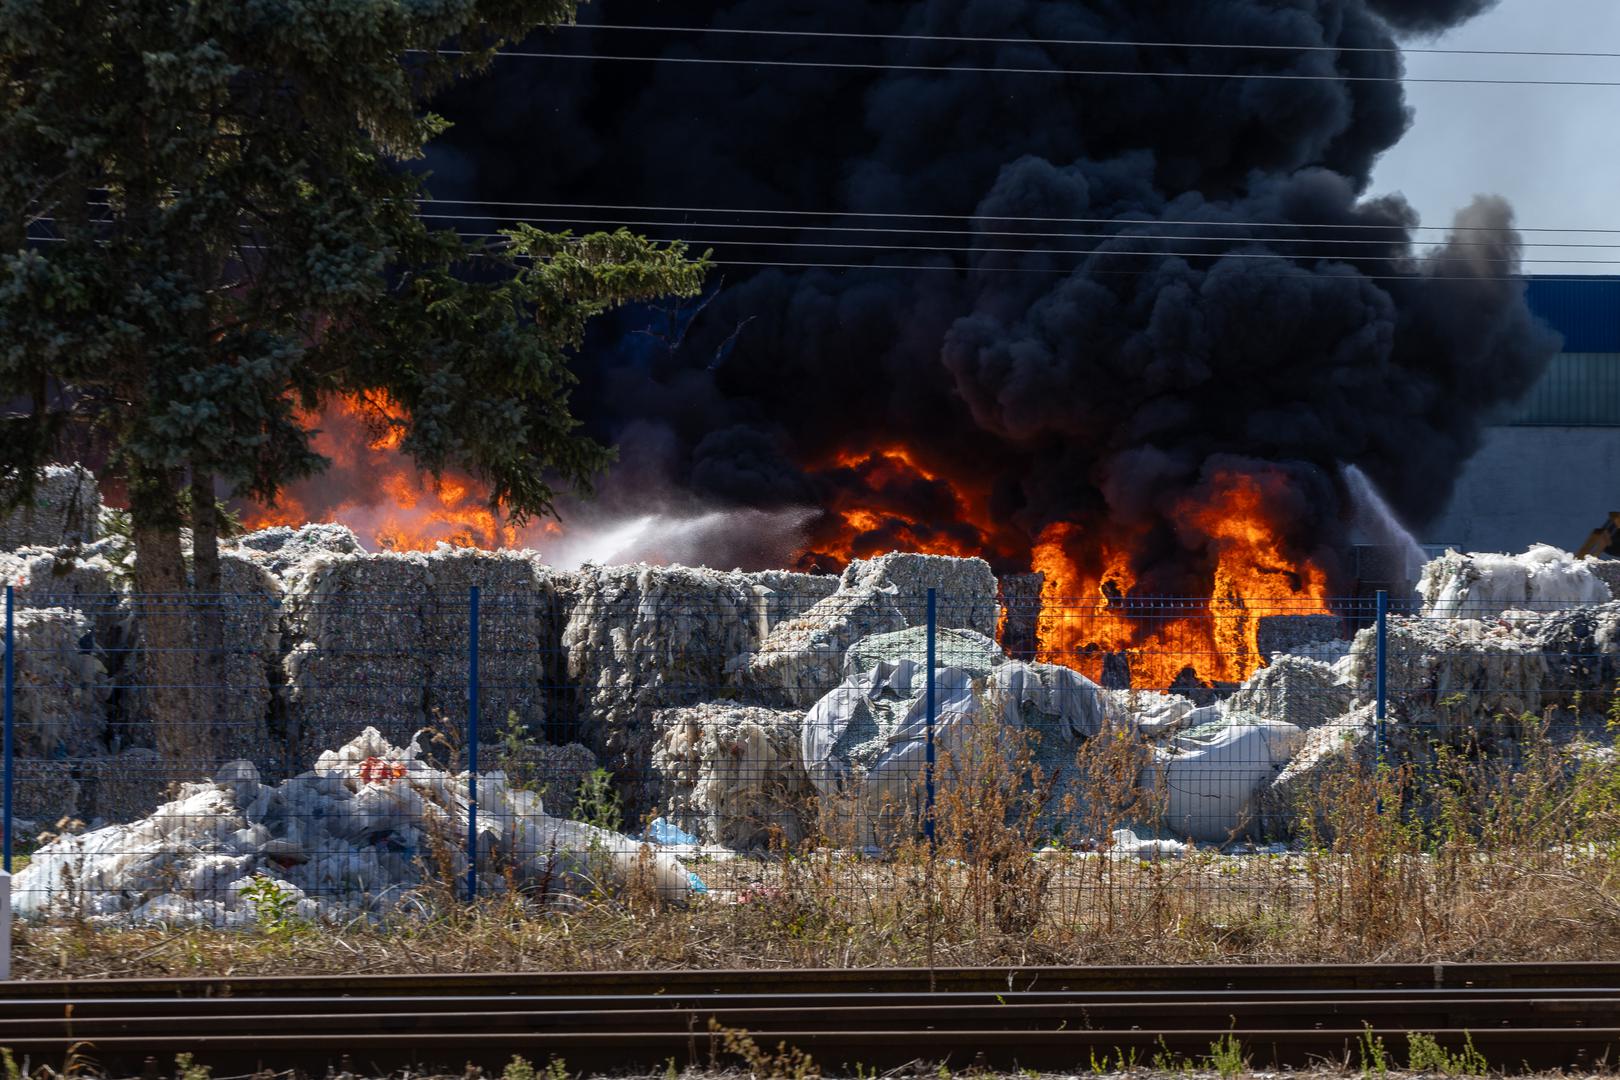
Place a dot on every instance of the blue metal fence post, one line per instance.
(472, 743)
(928, 766)
(1383, 670)
(10, 715)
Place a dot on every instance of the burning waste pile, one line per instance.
(726, 709)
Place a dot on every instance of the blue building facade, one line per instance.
(1582, 385)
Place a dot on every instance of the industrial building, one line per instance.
(1549, 469)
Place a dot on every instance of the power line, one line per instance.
(993, 217)
(964, 39)
(1359, 276)
(971, 69)
(1089, 252)
(971, 233)
(1415, 278)
(1013, 217)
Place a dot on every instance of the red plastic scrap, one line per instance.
(374, 770)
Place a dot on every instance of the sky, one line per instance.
(1552, 151)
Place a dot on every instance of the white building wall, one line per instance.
(1530, 485)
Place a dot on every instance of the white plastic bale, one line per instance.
(1207, 786)
(517, 636)
(62, 686)
(644, 638)
(553, 772)
(331, 696)
(1296, 690)
(65, 509)
(281, 548)
(802, 658)
(1481, 585)
(966, 649)
(1450, 677)
(730, 774)
(122, 787)
(1282, 808)
(966, 595)
(784, 594)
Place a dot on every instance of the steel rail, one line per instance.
(1143, 1001)
(786, 980)
(1415, 1013)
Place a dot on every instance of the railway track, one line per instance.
(1535, 1016)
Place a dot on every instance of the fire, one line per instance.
(886, 499)
(378, 492)
(1091, 620)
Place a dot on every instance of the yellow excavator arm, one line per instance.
(1605, 539)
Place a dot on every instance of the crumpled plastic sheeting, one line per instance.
(1207, 782)
(731, 773)
(357, 835)
(1483, 585)
(865, 743)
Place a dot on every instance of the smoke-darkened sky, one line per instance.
(1107, 332)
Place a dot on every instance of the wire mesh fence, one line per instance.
(359, 751)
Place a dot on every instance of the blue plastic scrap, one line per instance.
(663, 833)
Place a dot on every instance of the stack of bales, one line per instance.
(1454, 678)
(231, 642)
(356, 626)
(644, 638)
(516, 655)
(65, 510)
(62, 694)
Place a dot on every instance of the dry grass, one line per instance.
(1454, 859)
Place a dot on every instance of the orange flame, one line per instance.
(390, 504)
(867, 517)
(1088, 616)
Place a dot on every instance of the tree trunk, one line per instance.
(165, 608)
(212, 693)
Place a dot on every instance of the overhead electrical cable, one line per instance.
(912, 216)
(972, 233)
(1359, 276)
(976, 69)
(968, 39)
(1089, 252)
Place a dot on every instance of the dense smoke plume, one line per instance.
(1117, 338)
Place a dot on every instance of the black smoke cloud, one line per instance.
(1103, 375)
